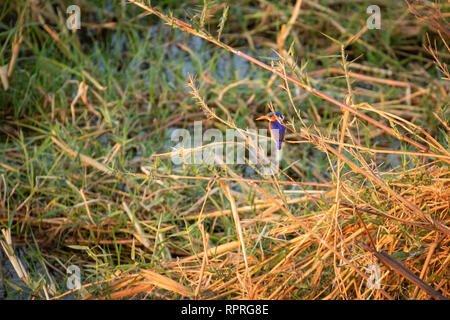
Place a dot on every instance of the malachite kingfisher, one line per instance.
(277, 127)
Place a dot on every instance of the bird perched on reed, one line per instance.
(277, 127)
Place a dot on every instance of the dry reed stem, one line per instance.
(165, 283)
(140, 235)
(237, 222)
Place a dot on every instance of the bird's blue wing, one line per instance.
(277, 130)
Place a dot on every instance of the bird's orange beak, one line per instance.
(266, 117)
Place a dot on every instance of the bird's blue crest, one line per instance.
(279, 115)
